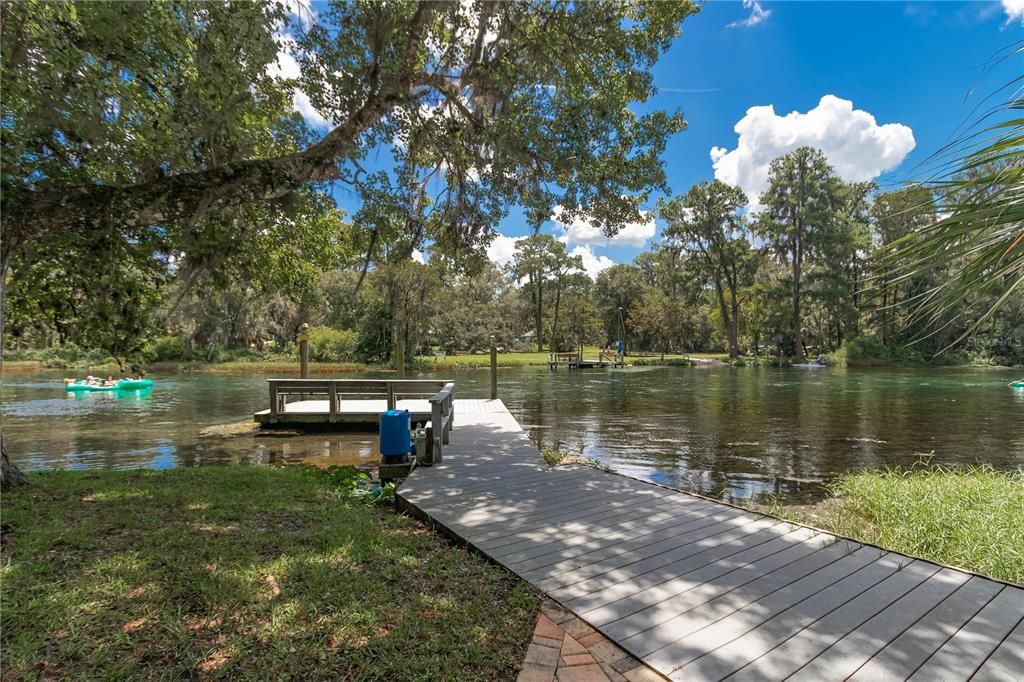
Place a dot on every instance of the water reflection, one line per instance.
(731, 433)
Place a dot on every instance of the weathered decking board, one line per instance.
(702, 590)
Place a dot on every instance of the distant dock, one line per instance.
(577, 360)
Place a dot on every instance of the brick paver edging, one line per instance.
(566, 649)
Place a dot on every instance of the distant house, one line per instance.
(526, 338)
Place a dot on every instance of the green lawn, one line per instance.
(970, 518)
(243, 573)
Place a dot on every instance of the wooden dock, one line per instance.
(357, 402)
(577, 360)
(700, 590)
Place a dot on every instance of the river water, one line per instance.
(737, 434)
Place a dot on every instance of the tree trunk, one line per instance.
(10, 475)
(554, 322)
(538, 312)
(798, 336)
(735, 324)
(727, 322)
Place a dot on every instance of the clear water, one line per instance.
(732, 433)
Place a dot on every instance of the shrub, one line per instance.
(66, 356)
(164, 349)
(327, 344)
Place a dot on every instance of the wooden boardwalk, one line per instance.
(700, 590)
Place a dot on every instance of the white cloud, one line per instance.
(287, 68)
(1014, 10)
(857, 147)
(301, 10)
(417, 256)
(503, 249)
(581, 231)
(757, 15)
(593, 264)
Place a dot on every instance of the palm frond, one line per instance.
(976, 243)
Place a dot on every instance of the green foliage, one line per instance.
(706, 226)
(65, 356)
(967, 517)
(164, 349)
(351, 483)
(552, 456)
(971, 251)
(332, 345)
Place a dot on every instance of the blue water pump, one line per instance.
(395, 436)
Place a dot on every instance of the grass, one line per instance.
(243, 573)
(966, 517)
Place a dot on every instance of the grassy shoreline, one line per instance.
(970, 518)
(243, 572)
(291, 366)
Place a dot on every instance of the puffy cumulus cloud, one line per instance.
(581, 231)
(286, 67)
(592, 263)
(1014, 10)
(757, 15)
(503, 249)
(417, 256)
(857, 147)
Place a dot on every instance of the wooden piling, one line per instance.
(494, 370)
(304, 351)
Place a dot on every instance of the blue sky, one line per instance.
(897, 79)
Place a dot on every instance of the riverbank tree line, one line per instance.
(809, 273)
(163, 199)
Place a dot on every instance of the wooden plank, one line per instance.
(634, 524)
(681, 522)
(845, 656)
(1007, 662)
(543, 499)
(805, 645)
(966, 651)
(682, 514)
(550, 543)
(758, 592)
(701, 547)
(665, 602)
(512, 516)
(642, 554)
(731, 643)
(905, 654)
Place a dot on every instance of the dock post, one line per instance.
(304, 351)
(494, 369)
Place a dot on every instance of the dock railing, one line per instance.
(335, 390)
(442, 413)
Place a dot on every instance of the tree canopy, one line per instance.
(131, 116)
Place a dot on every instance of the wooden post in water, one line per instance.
(494, 369)
(304, 351)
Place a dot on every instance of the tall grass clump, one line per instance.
(971, 517)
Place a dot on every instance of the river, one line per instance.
(737, 434)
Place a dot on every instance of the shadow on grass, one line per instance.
(238, 572)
